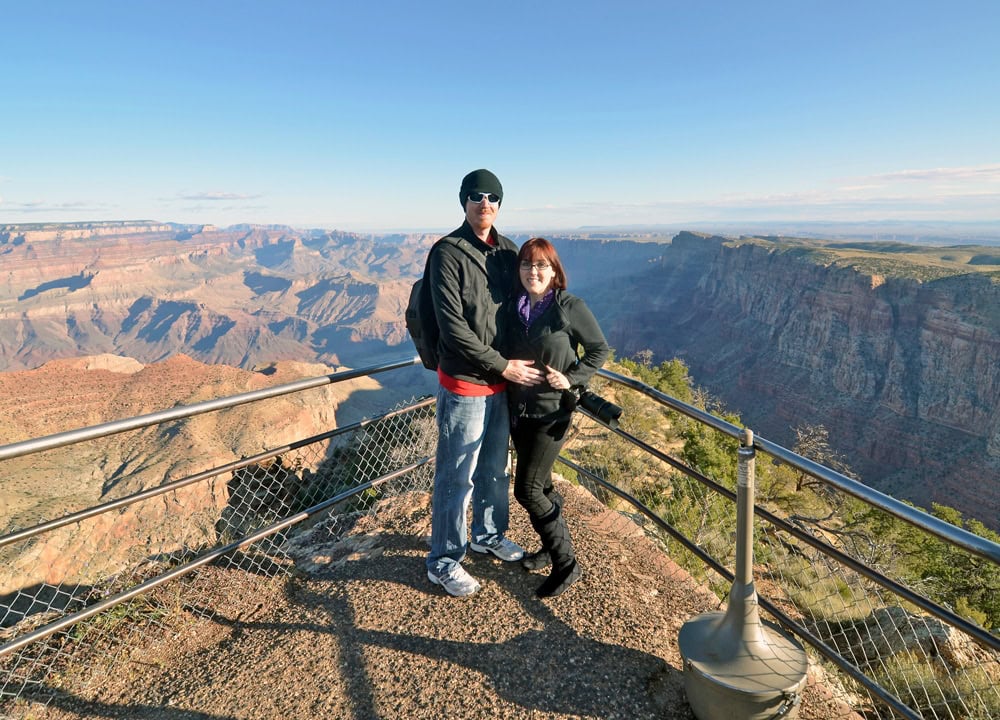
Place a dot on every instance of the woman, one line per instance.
(549, 326)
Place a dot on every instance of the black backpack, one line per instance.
(420, 318)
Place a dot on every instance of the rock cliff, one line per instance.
(902, 367)
(894, 350)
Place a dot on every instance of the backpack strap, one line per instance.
(466, 247)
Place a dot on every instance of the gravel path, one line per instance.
(358, 632)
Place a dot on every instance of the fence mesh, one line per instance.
(49, 576)
(934, 668)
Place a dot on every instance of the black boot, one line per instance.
(541, 559)
(555, 538)
(536, 560)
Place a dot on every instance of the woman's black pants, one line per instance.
(537, 443)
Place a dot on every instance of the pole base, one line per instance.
(732, 673)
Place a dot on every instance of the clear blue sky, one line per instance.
(365, 115)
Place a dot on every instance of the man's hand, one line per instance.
(521, 372)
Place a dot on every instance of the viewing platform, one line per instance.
(355, 630)
(291, 583)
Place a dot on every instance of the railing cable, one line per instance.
(181, 570)
(843, 663)
(981, 635)
(955, 535)
(114, 427)
(204, 475)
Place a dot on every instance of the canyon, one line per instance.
(894, 349)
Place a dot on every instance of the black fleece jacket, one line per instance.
(554, 339)
(468, 304)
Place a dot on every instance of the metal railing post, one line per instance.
(735, 666)
(746, 469)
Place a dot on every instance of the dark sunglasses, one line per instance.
(477, 197)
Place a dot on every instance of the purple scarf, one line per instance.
(528, 312)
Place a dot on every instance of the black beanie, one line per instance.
(480, 181)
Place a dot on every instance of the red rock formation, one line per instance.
(904, 373)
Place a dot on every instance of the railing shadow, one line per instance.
(93, 709)
(542, 665)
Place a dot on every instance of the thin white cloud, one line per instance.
(216, 196)
(978, 174)
(37, 206)
(223, 208)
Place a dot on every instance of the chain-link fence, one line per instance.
(107, 579)
(895, 620)
(843, 574)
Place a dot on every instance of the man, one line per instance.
(472, 416)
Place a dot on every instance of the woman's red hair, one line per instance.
(541, 250)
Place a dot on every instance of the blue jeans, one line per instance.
(473, 435)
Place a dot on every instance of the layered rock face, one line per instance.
(905, 374)
(241, 297)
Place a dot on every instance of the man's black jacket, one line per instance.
(468, 305)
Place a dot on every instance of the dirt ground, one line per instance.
(358, 632)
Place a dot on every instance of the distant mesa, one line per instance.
(75, 282)
(261, 283)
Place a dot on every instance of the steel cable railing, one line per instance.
(201, 560)
(829, 653)
(951, 534)
(962, 538)
(116, 427)
(898, 650)
(252, 460)
(867, 618)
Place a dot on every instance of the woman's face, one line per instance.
(536, 276)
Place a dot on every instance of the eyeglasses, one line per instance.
(539, 266)
(477, 197)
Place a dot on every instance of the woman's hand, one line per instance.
(555, 379)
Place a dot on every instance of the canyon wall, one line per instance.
(902, 367)
(242, 297)
(903, 372)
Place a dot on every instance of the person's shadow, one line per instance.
(552, 670)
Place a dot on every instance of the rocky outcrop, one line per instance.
(903, 372)
(893, 631)
(64, 480)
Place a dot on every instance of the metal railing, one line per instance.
(891, 643)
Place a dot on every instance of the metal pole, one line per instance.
(735, 666)
(746, 468)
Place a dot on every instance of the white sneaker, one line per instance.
(500, 546)
(455, 580)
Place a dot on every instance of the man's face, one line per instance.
(482, 214)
